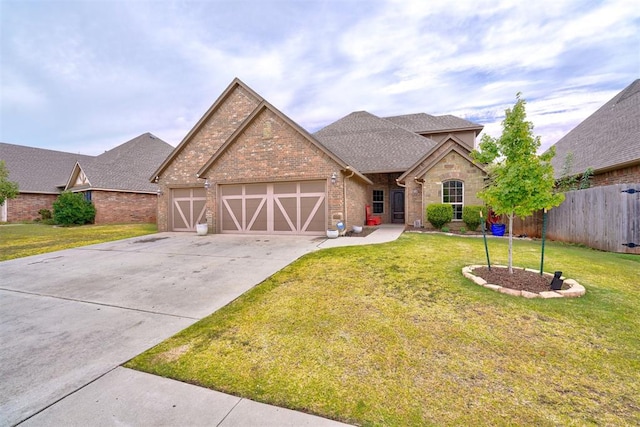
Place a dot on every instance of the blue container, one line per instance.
(498, 229)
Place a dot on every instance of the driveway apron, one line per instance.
(71, 317)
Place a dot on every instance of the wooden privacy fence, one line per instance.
(605, 218)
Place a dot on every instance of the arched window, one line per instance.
(453, 193)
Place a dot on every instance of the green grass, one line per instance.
(20, 240)
(393, 334)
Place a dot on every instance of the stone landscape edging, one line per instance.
(575, 289)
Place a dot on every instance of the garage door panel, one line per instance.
(282, 208)
(199, 210)
(232, 214)
(257, 214)
(313, 208)
(286, 214)
(255, 189)
(188, 208)
(312, 187)
(181, 210)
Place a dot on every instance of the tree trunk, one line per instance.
(510, 216)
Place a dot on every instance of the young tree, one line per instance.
(520, 181)
(8, 189)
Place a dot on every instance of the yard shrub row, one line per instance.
(440, 214)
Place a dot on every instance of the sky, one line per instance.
(86, 76)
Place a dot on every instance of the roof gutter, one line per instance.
(344, 192)
(423, 207)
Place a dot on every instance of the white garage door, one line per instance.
(188, 206)
(274, 208)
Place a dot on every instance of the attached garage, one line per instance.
(264, 175)
(188, 207)
(274, 208)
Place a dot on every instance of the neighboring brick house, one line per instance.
(245, 167)
(116, 181)
(608, 141)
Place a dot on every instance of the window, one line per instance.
(452, 193)
(378, 201)
(87, 195)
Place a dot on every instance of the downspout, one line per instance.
(422, 207)
(344, 194)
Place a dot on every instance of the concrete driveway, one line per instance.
(70, 318)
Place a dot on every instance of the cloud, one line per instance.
(107, 71)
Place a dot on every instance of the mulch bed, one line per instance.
(520, 280)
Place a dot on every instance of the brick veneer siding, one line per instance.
(627, 175)
(25, 207)
(451, 167)
(385, 182)
(200, 148)
(358, 195)
(119, 207)
(270, 150)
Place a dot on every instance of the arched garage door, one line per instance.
(188, 207)
(274, 208)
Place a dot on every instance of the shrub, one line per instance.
(439, 214)
(463, 230)
(471, 216)
(71, 208)
(445, 229)
(45, 214)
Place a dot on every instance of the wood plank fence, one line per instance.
(605, 218)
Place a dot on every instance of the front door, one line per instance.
(397, 206)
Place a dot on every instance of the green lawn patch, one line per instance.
(20, 240)
(393, 334)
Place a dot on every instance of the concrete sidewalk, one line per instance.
(71, 318)
(383, 234)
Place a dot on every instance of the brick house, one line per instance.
(245, 167)
(116, 181)
(608, 141)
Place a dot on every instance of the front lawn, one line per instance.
(393, 334)
(20, 240)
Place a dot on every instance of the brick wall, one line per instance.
(119, 207)
(385, 182)
(268, 150)
(628, 175)
(25, 207)
(205, 142)
(358, 195)
(451, 167)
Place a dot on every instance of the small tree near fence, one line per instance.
(520, 181)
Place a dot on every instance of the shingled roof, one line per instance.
(607, 139)
(426, 123)
(125, 167)
(372, 144)
(37, 170)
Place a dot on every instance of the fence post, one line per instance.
(544, 232)
(484, 236)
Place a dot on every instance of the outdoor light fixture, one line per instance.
(556, 283)
(207, 184)
(334, 178)
(159, 191)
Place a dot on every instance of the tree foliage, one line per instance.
(71, 208)
(520, 180)
(571, 182)
(8, 189)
